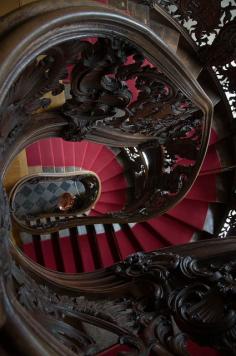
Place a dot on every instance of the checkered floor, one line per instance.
(39, 198)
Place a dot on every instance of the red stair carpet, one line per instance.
(175, 227)
(178, 226)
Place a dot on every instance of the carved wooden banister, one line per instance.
(170, 108)
(94, 54)
(189, 293)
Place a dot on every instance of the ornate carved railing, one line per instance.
(170, 108)
(166, 297)
(149, 302)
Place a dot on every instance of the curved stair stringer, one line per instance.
(37, 305)
(188, 85)
(136, 279)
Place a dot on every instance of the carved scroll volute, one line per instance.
(40, 41)
(101, 104)
(167, 298)
(195, 296)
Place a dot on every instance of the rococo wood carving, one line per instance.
(101, 106)
(124, 87)
(177, 296)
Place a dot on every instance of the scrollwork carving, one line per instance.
(206, 20)
(177, 297)
(114, 89)
(197, 295)
(123, 316)
(176, 291)
(212, 28)
(27, 96)
(101, 96)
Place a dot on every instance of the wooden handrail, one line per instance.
(149, 300)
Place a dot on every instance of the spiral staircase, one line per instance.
(142, 95)
(85, 248)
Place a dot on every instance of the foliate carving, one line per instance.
(75, 340)
(27, 95)
(222, 56)
(135, 265)
(226, 75)
(222, 51)
(197, 296)
(202, 20)
(97, 95)
(176, 297)
(113, 88)
(207, 16)
(174, 341)
(101, 96)
(211, 25)
(175, 160)
(139, 169)
(229, 224)
(124, 316)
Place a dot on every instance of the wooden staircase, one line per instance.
(144, 266)
(86, 248)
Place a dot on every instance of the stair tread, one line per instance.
(124, 243)
(67, 255)
(106, 156)
(83, 156)
(46, 153)
(33, 155)
(94, 212)
(114, 170)
(107, 207)
(148, 241)
(106, 254)
(174, 231)
(189, 213)
(86, 254)
(118, 181)
(28, 249)
(94, 150)
(69, 153)
(211, 161)
(211, 188)
(114, 197)
(80, 150)
(204, 189)
(58, 152)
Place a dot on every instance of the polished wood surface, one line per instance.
(17, 170)
(10, 5)
(150, 301)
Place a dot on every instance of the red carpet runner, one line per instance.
(176, 227)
